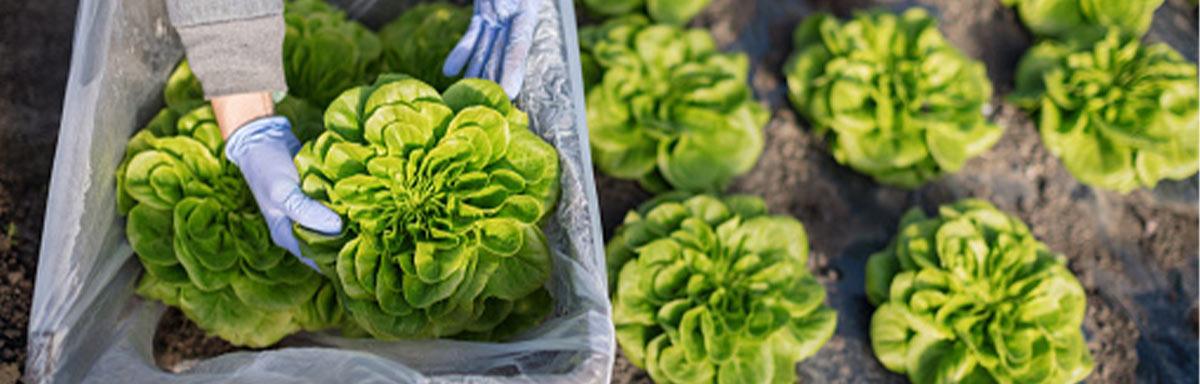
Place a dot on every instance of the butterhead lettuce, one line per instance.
(895, 100)
(443, 196)
(417, 42)
(197, 231)
(970, 296)
(711, 290)
(669, 110)
(1120, 114)
(1085, 20)
(324, 52)
(677, 12)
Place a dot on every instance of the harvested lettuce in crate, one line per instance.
(444, 195)
(324, 52)
(197, 231)
(676, 12)
(417, 42)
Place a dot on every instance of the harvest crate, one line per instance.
(87, 324)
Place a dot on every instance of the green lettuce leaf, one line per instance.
(205, 248)
(669, 110)
(895, 99)
(417, 42)
(1085, 20)
(710, 290)
(443, 196)
(971, 296)
(1120, 114)
(324, 52)
(676, 12)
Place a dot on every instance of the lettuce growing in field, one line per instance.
(1085, 20)
(443, 195)
(669, 110)
(417, 42)
(713, 290)
(971, 296)
(324, 52)
(676, 12)
(894, 98)
(1119, 114)
(197, 231)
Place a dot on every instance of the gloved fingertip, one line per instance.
(329, 223)
(455, 62)
(457, 59)
(319, 218)
(311, 214)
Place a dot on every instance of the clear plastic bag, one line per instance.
(88, 326)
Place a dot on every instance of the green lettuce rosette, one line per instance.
(711, 290)
(1120, 114)
(417, 42)
(971, 296)
(669, 110)
(894, 98)
(443, 196)
(205, 248)
(324, 52)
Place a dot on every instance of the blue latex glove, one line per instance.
(263, 149)
(496, 43)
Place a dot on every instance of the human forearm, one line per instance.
(233, 111)
(233, 46)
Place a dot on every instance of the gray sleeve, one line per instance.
(233, 46)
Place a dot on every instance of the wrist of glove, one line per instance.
(496, 44)
(263, 150)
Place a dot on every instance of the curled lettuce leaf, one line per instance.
(1085, 20)
(897, 101)
(206, 249)
(971, 296)
(183, 92)
(712, 290)
(1120, 115)
(443, 196)
(417, 42)
(669, 110)
(676, 12)
(324, 52)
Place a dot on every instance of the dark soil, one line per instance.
(179, 343)
(35, 46)
(1136, 255)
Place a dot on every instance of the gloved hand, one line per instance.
(263, 150)
(497, 43)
